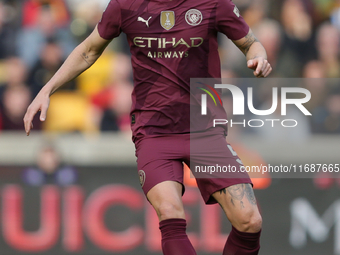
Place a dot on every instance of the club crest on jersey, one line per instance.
(142, 176)
(167, 19)
(193, 17)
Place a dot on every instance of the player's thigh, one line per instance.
(159, 160)
(239, 203)
(160, 168)
(215, 165)
(162, 183)
(166, 198)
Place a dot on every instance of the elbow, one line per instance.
(88, 54)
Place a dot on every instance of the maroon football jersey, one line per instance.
(170, 42)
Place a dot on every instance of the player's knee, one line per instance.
(170, 210)
(255, 224)
(252, 223)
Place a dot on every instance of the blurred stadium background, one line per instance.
(72, 186)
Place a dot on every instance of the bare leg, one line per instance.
(239, 204)
(166, 198)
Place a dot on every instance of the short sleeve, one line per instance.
(229, 21)
(109, 26)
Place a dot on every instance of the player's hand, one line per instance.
(40, 103)
(261, 66)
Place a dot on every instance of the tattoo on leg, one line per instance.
(223, 190)
(250, 194)
(236, 191)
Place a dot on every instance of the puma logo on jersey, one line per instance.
(144, 21)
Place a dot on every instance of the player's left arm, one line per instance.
(255, 53)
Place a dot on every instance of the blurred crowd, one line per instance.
(302, 39)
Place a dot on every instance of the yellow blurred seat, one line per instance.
(69, 111)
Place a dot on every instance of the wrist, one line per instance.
(47, 90)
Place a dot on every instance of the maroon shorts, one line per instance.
(161, 158)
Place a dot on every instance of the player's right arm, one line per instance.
(81, 58)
